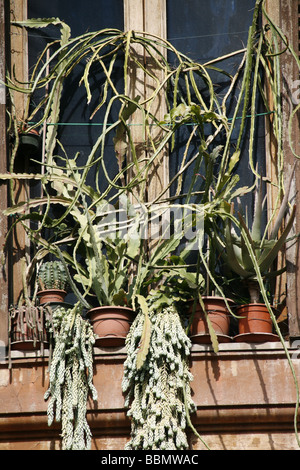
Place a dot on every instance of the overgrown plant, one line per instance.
(234, 249)
(71, 377)
(69, 180)
(191, 102)
(158, 389)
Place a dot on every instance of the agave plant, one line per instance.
(250, 252)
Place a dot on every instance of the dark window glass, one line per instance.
(205, 30)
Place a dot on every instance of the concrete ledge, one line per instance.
(243, 390)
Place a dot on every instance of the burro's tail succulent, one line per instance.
(52, 275)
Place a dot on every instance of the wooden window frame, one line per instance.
(13, 55)
(4, 279)
(151, 17)
(289, 23)
(284, 16)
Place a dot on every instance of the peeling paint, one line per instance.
(234, 369)
(4, 378)
(2, 94)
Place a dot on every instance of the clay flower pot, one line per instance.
(51, 295)
(27, 340)
(255, 325)
(111, 324)
(219, 317)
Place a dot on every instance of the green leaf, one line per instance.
(246, 259)
(22, 207)
(39, 22)
(212, 333)
(267, 259)
(256, 226)
(120, 139)
(283, 207)
(233, 160)
(146, 334)
(119, 298)
(232, 258)
(164, 249)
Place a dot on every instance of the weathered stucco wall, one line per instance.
(245, 399)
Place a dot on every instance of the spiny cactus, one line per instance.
(52, 275)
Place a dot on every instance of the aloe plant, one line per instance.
(234, 245)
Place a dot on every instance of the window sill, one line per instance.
(196, 348)
(265, 346)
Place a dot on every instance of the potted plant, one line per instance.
(53, 282)
(104, 275)
(119, 273)
(250, 253)
(26, 327)
(112, 268)
(27, 321)
(210, 312)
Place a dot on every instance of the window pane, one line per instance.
(92, 15)
(204, 31)
(81, 132)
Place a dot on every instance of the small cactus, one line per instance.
(52, 275)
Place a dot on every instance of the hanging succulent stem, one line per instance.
(159, 393)
(71, 375)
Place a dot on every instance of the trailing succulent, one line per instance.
(158, 392)
(71, 375)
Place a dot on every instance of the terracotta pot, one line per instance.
(256, 319)
(111, 324)
(51, 295)
(219, 317)
(27, 341)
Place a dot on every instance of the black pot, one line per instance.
(29, 149)
(30, 144)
